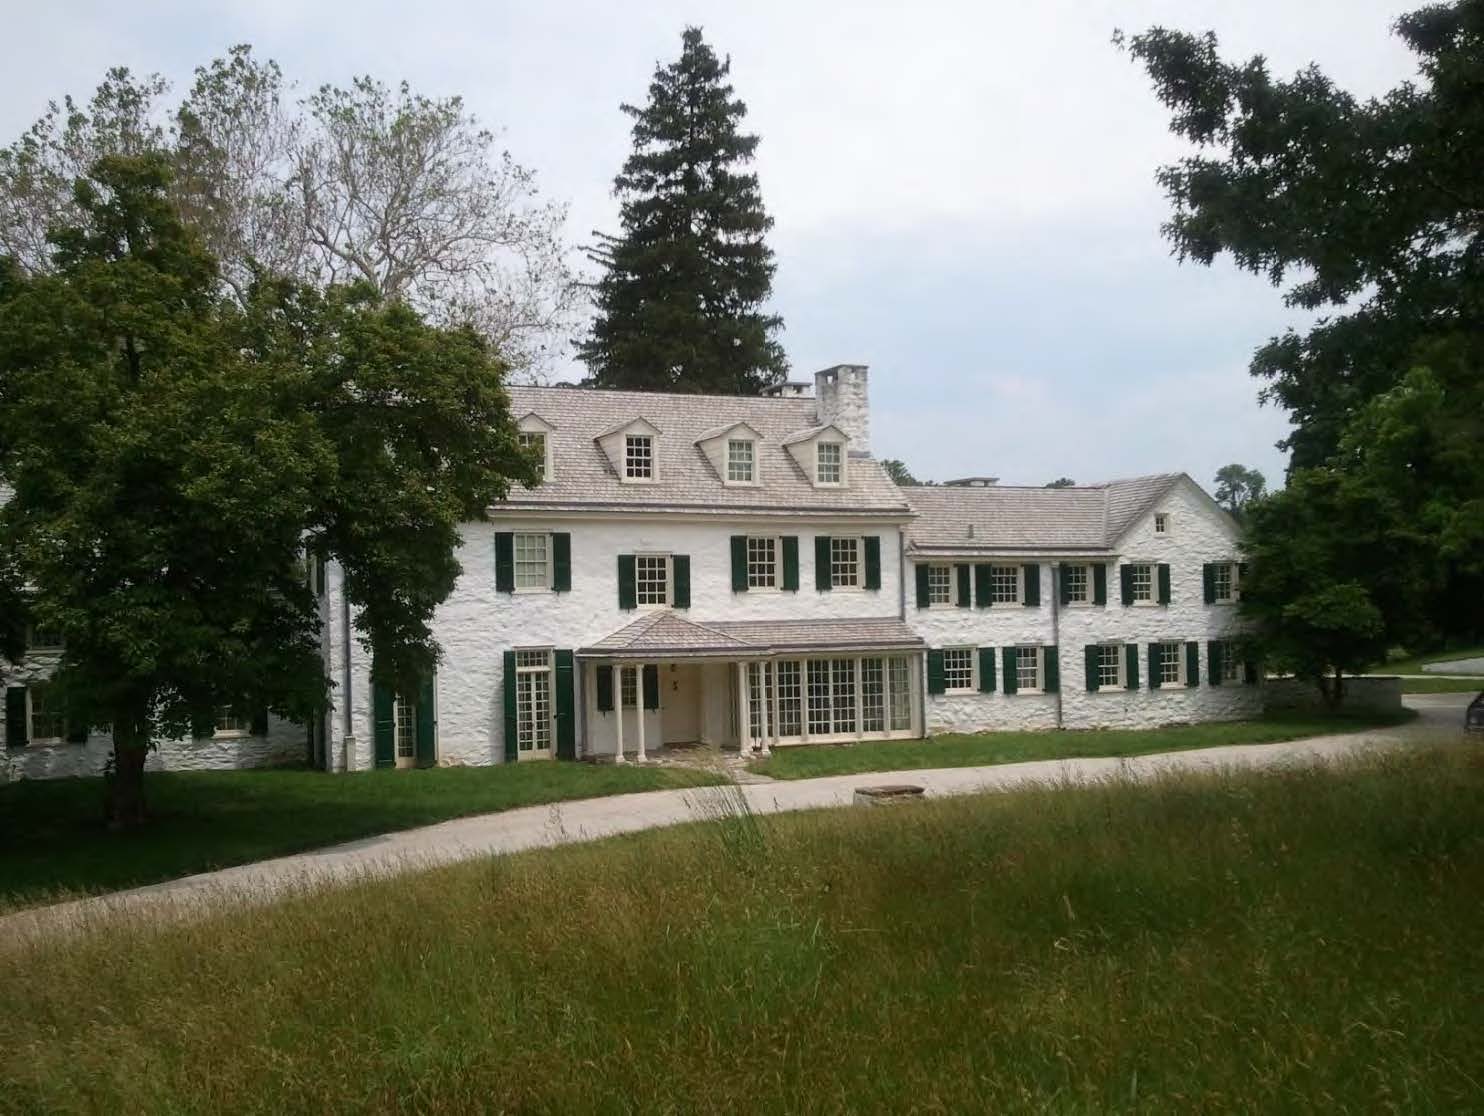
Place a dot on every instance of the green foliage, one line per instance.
(1237, 486)
(681, 295)
(1062, 482)
(897, 470)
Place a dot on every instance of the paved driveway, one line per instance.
(1440, 717)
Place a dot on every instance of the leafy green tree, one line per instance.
(1237, 486)
(899, 473)
(1062, 482)
(209, 445)
(680, 300)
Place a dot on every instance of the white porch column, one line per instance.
(639, 706)
(766, 684)
(618, 708)
(744, 729)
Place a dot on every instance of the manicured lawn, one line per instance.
(1442, 685)
(1413, 664)
(1297, 942)
(54, 842)
(808, 761)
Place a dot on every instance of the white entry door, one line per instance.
(680, 701)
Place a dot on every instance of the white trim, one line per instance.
(973, 686)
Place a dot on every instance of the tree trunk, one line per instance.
(1332, 690)
(124, 801)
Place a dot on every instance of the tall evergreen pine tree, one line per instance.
(680, 299)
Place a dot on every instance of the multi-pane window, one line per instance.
(534, 443)
(532, 561)
(958, 668)
(829, 462)
(404, 724)
(230, 720)
(832, 697)
(1110, 665)
(762, 562)
(790, 699)
(819, 696)
(638, 457)
(845, 562)
(842, 684)
(1142, 578)
(1074, 579)
(1004, 584)
(873, 696)
(940, 585)
(1161, 523)
(899, 694)
(1171, 664)
(41, 638)
(47, 721)
(628, 686)
(740, 461)
(759, 699)
(1231, 669)
(532, 701)
(652, 579)
(1027, 668)
(1224, 581)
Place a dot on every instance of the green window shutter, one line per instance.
(790, 563)
(203, 723)
(1208, 582)
(566, 707)
(561, 561)
(628, 593)
(17, 731)
(924, 593)
(1090, 666)
(1061, 585)
(651, 686)
(1100, 583)
(1007, 658)
(77, 732)
(1164, 583)
(983, 597)
(873, 561)
(961, 577)
(1032, 576)
(505, 561)
(680, 569)
(1250, 673)
(937, 682)
(427, 724)
(986, 670)
(383, 725)
(822, 563)
(1126, 583)
(1241, 571)
(512, 752)
(1214, 664)
(605, 689)
(1192, 663)
(739, 563)
(1131, 666)
(259, 725)
(1052, 681)
(1154, 666)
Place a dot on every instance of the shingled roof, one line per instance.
(666, 635)
(685, 480)
(994, 518)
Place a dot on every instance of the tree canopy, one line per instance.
(1237, 486)
(681, 295)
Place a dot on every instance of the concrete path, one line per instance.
(1455, 666)
(1441, 716)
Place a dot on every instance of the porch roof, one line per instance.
(664, 635)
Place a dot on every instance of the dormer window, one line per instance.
(534, 443)
(741, 461)
(829, 463)
(638, 457)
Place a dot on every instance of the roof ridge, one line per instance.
(614, 392)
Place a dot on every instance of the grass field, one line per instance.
(1299, 941)
(809, 761)
(1442, 685)
(55, 844)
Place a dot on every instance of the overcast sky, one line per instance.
(964, 192)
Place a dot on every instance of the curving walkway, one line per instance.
(534, 827)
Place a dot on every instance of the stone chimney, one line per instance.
(842, 399)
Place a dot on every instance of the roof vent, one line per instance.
(971, 530)
(972, 482)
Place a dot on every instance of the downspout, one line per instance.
(901, 575)
(1056, 630)
(348, 738)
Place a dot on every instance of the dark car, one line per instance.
(1473, 720)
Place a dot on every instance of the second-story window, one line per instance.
(1142, 579)
(1004, 584)
(829, 463)
(741, 464)
(1223, 582)
(762, 562)
(652, 579)
(638, 457)
(845, 563)
(1161, 523)
(532, 560)
(1075, 580)
(940, 585)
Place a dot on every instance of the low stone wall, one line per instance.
(1382, 694)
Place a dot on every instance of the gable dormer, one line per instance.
(536, 432)
(733, 451)
(822, 452)
(632, 449)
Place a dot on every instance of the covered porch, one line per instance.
(665, 682)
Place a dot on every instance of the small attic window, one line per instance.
(741, 461)
(829, 463)
(534, 442)
(1161, 523)
(638, 457)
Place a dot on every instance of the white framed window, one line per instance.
(533, 708)
(873, 696)
(47, 723)
(818, 695)
(790, 698)
(843, 695)
(1161, 523)
(652, 580)
(1077, 582)
(741, 461)
(1224, 581)
(845, 562)
(1142, 578)
(230, 721)
(43, 639)
(829, 463)
(404, 728)
(534, 441)
(1027, 669)
(1231, 668)
(940, 585)
(1004, 584)
(638, 457)
(958, 670)
(820, 698)
(899, 693)
(628, 686)
(1171, 661)
(1110, 666)
(762, 562)
(532, 560)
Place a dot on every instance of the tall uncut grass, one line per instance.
(1301, 941)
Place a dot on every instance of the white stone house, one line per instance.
(742, 572)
